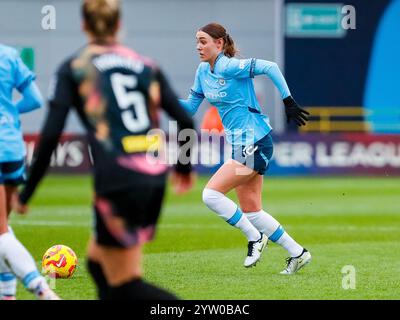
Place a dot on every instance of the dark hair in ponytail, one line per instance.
(217, 31)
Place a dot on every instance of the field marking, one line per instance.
(50, 223)
(184, 226)
(320, 247)
(57, 210)
(307, 210)
(88, 224)
(198, 209)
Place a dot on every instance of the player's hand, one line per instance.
(182, 183)
(294, 112)
(18, 206)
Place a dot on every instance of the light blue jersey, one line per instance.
(14, 75)
(229, 87)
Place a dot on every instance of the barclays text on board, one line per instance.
(311, 154)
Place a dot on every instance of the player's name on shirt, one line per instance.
(113, 61)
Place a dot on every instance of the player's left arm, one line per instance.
(171, 105)
(293, 111)
(249, 68)
(182, 177)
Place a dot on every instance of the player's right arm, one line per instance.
(196, 95)
(24, 82)
(31, 99)
(60, 100)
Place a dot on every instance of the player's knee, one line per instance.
(211, 197)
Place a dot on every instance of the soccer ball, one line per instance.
(59, 262)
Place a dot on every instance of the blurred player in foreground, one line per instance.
(117, 94)
(226, 82)
(15, 260)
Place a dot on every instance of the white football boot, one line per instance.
(47, 294)
(294, 264)
(43, 291)
(255, 249)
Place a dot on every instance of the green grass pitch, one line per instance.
(342, 221)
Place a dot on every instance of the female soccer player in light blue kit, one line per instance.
(226, 82)
(15, 260)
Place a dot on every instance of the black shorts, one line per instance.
(12, 173)
(127, 218)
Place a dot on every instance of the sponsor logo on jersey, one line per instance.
(215, 95)
(141, 143)
(215, 83)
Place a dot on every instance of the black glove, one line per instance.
(294, 112)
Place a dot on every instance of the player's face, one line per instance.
(207, 47)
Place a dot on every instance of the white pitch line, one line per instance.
(221, 226)
(86, 224)
(51, 223)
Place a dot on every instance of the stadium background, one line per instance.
(346, 79)
(341, 76)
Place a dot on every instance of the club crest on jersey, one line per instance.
(221, 82)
